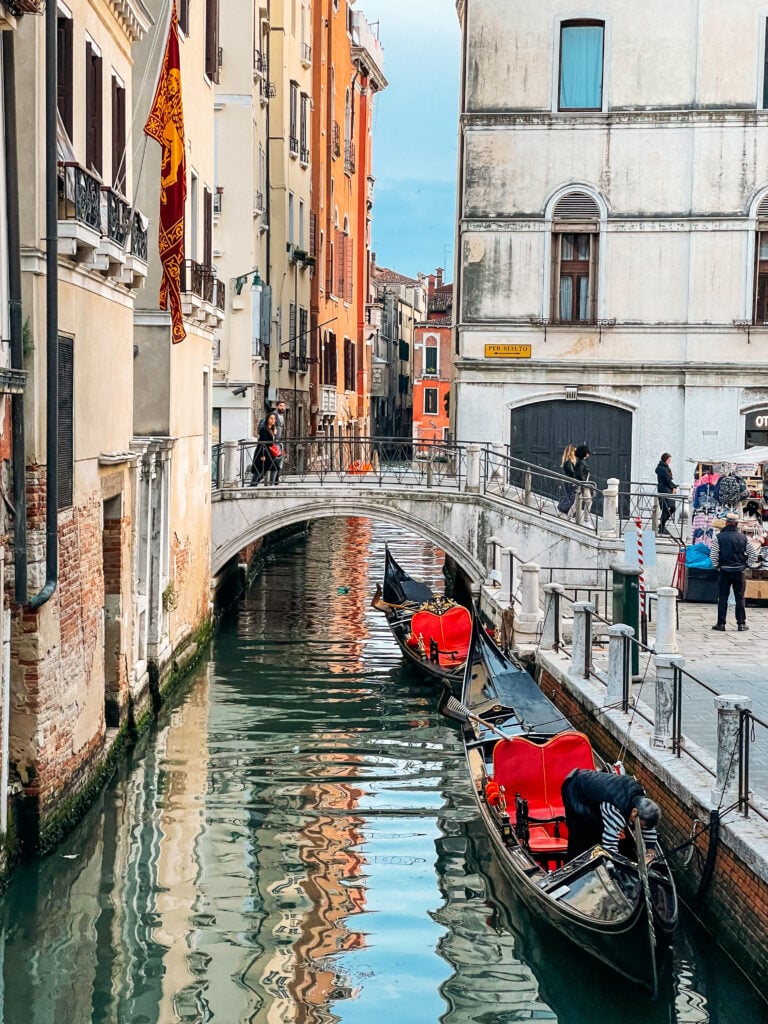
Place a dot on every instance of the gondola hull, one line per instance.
(437, 657)
(604, 903)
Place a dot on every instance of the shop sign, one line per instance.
(757, 420)
(507, 351)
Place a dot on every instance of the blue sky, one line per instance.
(414, 134)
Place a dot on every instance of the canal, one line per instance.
(295, 841)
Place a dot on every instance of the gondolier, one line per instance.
(599, 806)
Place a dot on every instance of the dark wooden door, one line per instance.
(541, 431)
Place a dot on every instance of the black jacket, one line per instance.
(588, 789)
(580, 470)
(666, 484)
(730, 550)
(569, 468)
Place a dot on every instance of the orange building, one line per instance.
(432, 363)
(347, 72)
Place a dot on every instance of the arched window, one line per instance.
(581, 65)
(761, 263)
(575, 251)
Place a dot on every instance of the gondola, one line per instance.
(433, 632)
(519, 749)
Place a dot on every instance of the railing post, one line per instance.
(666, 621)
(496, 477)
(729, 707)
(552, 627)
(611, 509)
(430, 472)
(582, 621)
(492, 573)
(527, 487)
(617, 639)
(664, 718)
(529, 617)
(473, 469)
(229, 468)
(508, 574)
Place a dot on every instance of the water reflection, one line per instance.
(297, 843)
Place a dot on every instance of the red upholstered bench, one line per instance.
(451, 631)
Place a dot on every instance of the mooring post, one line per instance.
(508, 574)
(552, 626)
(582, 622)
(616, 640)
(729, 707)
(665, 699)
(666, 620)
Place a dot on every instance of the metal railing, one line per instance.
(79, 195)
(747, 739)
(349, 157)
(335, 140)
(139, 238)
(642, 501)
(117, 212)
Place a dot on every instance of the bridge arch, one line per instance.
(242, 528)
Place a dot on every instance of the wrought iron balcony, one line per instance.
(306, 54)
(79, 196)
(304, 156)
(220, 295)
(258, 202)
(260, 65)
(191, 278)
(115, 224)
(349, 158)
(335, 140)
(293, 145)
(139, 238)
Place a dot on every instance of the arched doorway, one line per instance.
(541, 431)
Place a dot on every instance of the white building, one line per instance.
(613, 216)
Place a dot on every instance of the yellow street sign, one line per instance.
(507, 351)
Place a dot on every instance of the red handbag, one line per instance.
(275, 450)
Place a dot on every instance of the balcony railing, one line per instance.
(260, 65)
(139, 238)
(258, 202)
(304, 156)
(191, 278)
(79, 195)
(349, 158)
(220, 295)
(335, 140)
(116, 223)
(293, 145)
(306, 53)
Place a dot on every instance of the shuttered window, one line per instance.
(340, 264)
(212, 39)
(330, 360)
(118, 136)
(207, 227)
(184, 16)
(66, 447)
(93, 110)
(348, 256)
(64, 72)
(349, 365)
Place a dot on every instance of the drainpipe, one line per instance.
(51, 318)
(15, 317)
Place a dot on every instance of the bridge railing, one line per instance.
(378, 460)
(642, 501)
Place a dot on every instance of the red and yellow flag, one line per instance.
(166, 124)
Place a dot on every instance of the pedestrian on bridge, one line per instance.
(263, 465)
(567, 502)
(731, 553)
(665, 485)
(581, 473)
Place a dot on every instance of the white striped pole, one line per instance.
(641, 565)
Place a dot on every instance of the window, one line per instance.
(330, 360)
(581, 65)
(212, 39)
(291, 238)
(256, 349)
(207, 227)
(301, 224)
(761, 264)
(575, 241)
(194, 202)
(66, 437)
(349, 365)
(64, 61)
(118, 134)
(404, 351)
(93, 108)
(430, 358)
(293, 142)
(303, 339)
(183, 8)
(303, 128)
(430, 401)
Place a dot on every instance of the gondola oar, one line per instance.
(455, 709)
(642, 870)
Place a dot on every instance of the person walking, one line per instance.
(568, 499)
(665, 485)
(600, 806)
(263, 465)
(731, 554)
(581, 473)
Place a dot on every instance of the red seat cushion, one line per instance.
(540, 840)
(452, 631)
(537, 770)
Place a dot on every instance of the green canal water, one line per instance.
(296, 842)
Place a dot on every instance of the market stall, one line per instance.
(734, 482)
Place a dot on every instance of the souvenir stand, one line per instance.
(736, 482)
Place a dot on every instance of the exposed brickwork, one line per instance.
(735, 908)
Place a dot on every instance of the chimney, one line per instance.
(439, 273)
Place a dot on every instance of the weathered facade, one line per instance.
(612, 216)
(72, 658)
(432, 363)
(347, 74)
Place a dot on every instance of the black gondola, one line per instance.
(612, 906)
(432, 631)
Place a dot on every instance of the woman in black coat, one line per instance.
(263, 465)
(665, 485)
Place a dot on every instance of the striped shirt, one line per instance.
(614, 824)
